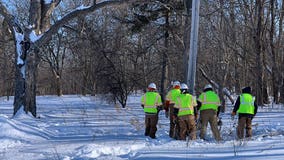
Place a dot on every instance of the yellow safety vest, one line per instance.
(246, 104)
(209, 100)
(185, 104)
(172, 95)
(151, 100)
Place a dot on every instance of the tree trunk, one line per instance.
(58, 86)
(165, 59)
(85, 82)
(259, 52)
(19, 98)
(20, 75)
(31, 81)
(57, 77)
(280, 42)
(26, 68)
(282, 92)
(275, 70)
(234, 40)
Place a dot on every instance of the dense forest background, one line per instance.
(120, 49)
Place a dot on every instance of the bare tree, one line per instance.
(275, 70)
(54, 54)
(280, 45)
(27, 49)
(6, 63)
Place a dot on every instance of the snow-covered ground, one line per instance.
(82, 128)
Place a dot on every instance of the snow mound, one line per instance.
(96, 151)
(20, 128)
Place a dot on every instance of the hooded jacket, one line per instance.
(237, 104)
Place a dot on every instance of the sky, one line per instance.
(74, 127)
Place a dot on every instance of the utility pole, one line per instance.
(191, 68)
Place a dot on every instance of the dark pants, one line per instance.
(210, 116)
(244, 123)
(151, 121)
(172, 124)
(187, 127)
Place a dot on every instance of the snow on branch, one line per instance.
(18, 34)
(47, 1)
(10, 19)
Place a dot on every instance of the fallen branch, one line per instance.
(225, 91)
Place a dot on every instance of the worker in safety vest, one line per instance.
(210, 103)
(186, 111)
(169, 107)
(246, 108)
(152, 103)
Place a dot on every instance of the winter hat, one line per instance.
(246, 89)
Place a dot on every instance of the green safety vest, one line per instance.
(185, 104)
(209, 100)
(172, 95)
(151, 100)
(246, 104)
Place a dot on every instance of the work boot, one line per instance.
(220, 123)
(153, 137)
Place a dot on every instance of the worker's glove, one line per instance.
(160, 108)
(175, 120)
(167, 114)
(142, 105)
(220, 122)
(196, 116)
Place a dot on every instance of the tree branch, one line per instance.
(224, 90)
(10, 19)
(54, 28)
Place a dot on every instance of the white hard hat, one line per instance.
(183, 86)
(152, 85)
(208, 86)
(176, 83)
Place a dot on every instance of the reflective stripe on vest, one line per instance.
(185, 104)
(172, 95)
(151, 100)
(246, 104)
(209, 100)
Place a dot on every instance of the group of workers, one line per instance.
(182, 109)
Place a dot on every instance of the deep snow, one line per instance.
(85, 127)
